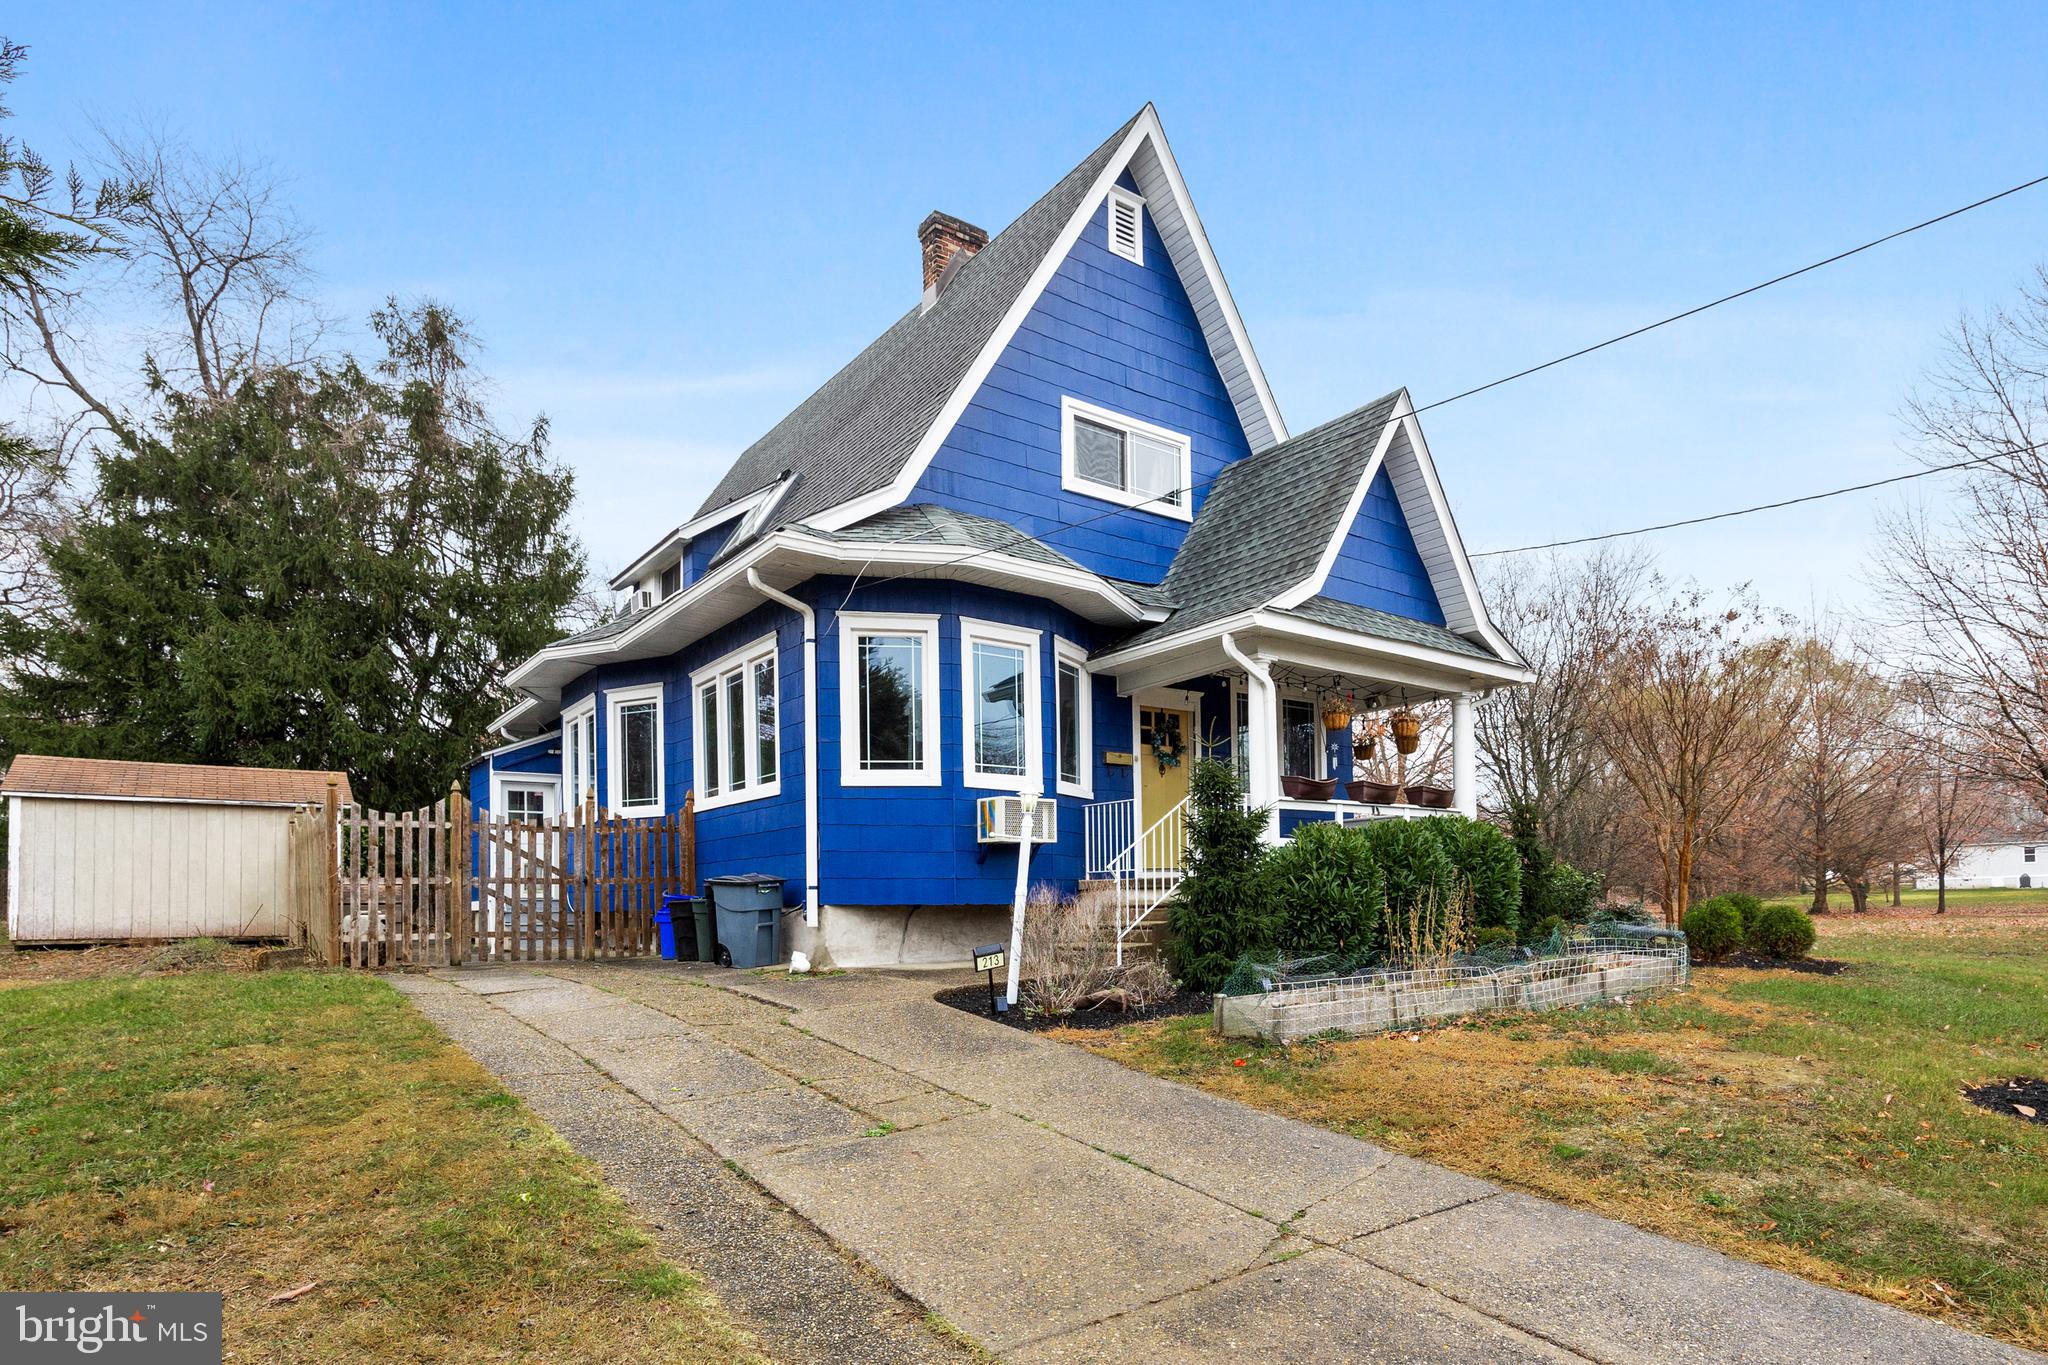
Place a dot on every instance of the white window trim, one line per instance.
(614, 701)
(853, 625)
(743, 660)
(1288, 694)
(1136, 255)
(1067, 652)
(502, 782)
(577, 786)
(1071, 480)
(1015, 637)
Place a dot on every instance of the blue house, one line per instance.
(1047, 535)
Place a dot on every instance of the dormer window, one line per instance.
(1127, 226)
(1121, 459)
(672, 579)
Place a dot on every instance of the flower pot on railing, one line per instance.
(1308, 788)
(1407, 728)
(1371, 793)
(1438, 798)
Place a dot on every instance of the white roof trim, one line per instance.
(526, 743)
(1145, 151)
(691, 529)
(1413, 474)
(1262, 621)
(806, 553)
(1313, 584)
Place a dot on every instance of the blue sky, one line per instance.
(668, 225)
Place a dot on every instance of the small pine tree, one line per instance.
(1221, 911)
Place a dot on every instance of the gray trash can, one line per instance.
(749, 911)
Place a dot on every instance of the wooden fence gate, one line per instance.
(449, 884)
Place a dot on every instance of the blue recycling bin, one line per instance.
(665, 924)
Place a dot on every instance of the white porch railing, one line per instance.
(1108, 828)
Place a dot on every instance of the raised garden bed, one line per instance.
(974, 1000)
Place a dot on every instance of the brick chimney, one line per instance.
(942, 237)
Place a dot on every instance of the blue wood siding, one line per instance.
(880, 845)
(1108, 332)
(1379, 565)
(542, 755)
(697, 557)
(916, 845)
(763, 835)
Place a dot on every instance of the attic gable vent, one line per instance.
(1127, 226)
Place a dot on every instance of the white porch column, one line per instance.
(1464, 757)
(1262, 735)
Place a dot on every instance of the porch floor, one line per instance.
(1058, 1207)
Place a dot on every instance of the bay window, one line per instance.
(1073, 719)
(738, 741)
(633, 717)
(888, 700)
(1000, 707)
(579, 752)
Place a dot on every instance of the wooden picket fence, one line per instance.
(449, 884)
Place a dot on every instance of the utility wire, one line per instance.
(1175, 495)
(1762, 506)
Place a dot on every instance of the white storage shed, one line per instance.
(102, 849)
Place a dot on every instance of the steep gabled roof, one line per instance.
(854, 434)
(1266, 520)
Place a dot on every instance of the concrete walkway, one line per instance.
(1055, 1206)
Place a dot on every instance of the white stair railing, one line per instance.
(1109, 827)
(1146, 873)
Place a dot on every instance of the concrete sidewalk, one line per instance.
(1058, 1207)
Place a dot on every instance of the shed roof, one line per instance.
(119, 779)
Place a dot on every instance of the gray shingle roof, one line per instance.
(1263, 527)
(929, 524)
(853, 435)
(1328, 611)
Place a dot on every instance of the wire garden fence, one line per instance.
(1297, 998)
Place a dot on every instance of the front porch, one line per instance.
(1260, 695)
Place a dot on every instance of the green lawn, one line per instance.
(2000, 899)
(1809, 1122)
(253, 1133)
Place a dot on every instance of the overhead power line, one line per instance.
(1762, 506)
(1177, 495)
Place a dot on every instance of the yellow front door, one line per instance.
(1165, 753)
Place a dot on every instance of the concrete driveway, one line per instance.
(1054, 1206)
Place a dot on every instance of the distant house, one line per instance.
(1047, 534)
(2010, 858)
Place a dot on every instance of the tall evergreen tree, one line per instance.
(331, 568)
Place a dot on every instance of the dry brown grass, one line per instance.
(252, 1134)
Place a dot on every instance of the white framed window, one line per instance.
(738, 734)
(1127, 226)
(1301, 738)
(579, 751)
(637, 780)
(2027, 852)
(1120, 459)
(1000, 708)
(1073, 719)
(888, 700)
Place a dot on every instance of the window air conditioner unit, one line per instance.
(642, 601)
(1000, 820)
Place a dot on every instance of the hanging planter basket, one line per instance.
(1336, 714)
(1368, 746)
(1407, 730)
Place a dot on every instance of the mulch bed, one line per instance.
(974, 1000)
(2023, 1097)
(1818, 966)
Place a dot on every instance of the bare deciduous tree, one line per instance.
(1972, 586)
(1846, 775)
(1954, 803)
(1540, 744)
(1695, 718)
